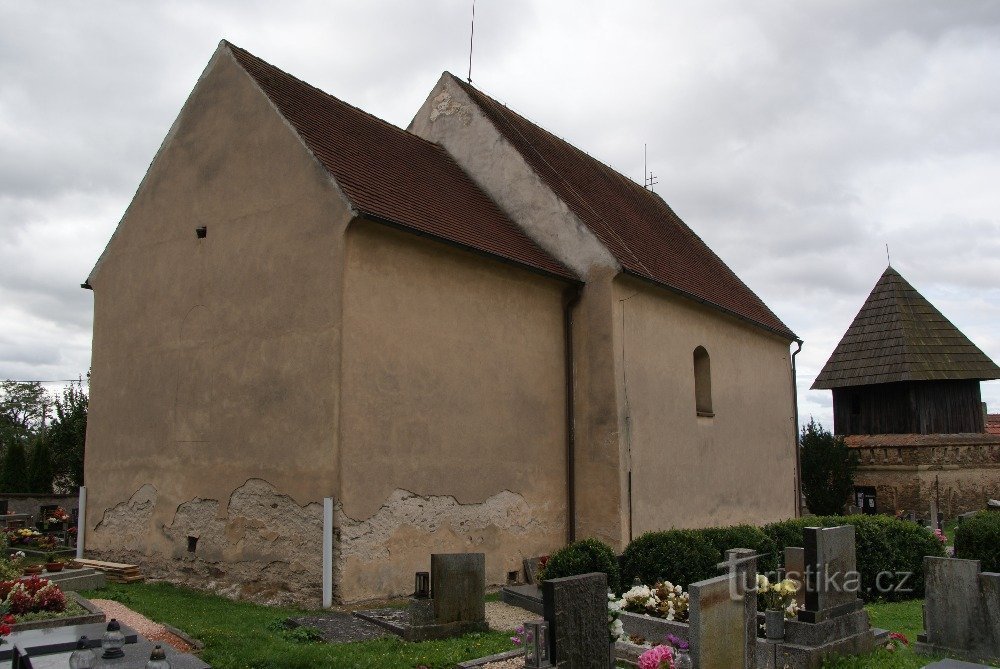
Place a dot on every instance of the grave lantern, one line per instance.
(158, 659)
(536, 644)
(422, 585)
(83, 657)
(113, 641)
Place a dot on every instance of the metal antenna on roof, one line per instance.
(472, 34)
(887, 258)
(649, 180)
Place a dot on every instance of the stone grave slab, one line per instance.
(136, 657)
(718, 626)
(831, 573)
(961, 610)
(576, 608)
(524, 596)
(795, 568)
(955, 664)
(339, 627)
(57, 639)
(531, 567)
(458, 587)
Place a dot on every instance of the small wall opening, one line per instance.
(703, 382)
(202, 232)
(192, 544)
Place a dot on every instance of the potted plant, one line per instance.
(53, 563)
(33, 570)
(779, 601)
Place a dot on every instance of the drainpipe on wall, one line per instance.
(795, 434)
(81, 523)
(571, 297)
(327, 552)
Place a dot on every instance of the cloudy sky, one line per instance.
(797, 138)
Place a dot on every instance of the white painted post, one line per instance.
(81, 522)
(327, 552)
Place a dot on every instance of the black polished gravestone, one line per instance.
(576, 608)
(136, 656)
(56, 639)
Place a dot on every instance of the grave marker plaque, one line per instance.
(458, 587)
(832, 578)
(576, 608)
(718, 624)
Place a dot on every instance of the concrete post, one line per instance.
(81, 523)
(327, 552)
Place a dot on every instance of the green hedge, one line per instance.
(584, 557)
(680, 556)
(883, 544)
(978, 538)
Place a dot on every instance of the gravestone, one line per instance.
(795, 569)
(456, 606)
(576, 608)
(718, 624)
(458, 587)
(832, 579)
(961, 610)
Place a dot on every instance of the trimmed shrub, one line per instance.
(679, 556)
(884, 545)
(978, 538)
(584, 557)
(743, 536)
(828, 467)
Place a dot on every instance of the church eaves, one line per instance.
(899, 336)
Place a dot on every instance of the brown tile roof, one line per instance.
(993, 423)
(393, 175)
(899, 336)
(636, 225)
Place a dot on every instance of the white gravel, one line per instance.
(503, 617)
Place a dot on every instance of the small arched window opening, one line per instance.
(703, 382)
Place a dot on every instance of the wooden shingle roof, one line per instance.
(394, 176)
(636, 225)
(899, 336)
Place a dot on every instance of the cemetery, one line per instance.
(793, 597)
(796, 594)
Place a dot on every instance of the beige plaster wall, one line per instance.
(449, 117)
(214, 397)
(453, 411)
(691, 471)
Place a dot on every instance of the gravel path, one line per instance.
(155, 632)
(503, 617)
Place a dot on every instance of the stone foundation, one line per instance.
(909, 470)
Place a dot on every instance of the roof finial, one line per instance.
(472, 34)
(887, 258)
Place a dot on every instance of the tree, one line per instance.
(22, 406)
(40, 469)
(14, 469)
(828, 467)
(66, 437)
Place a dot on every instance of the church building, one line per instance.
(469, 335)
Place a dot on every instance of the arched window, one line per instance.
(702, 382)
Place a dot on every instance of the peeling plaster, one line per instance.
(445, 105)
(370, 539)
(129, 521)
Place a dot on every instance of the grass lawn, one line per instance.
(239, 635)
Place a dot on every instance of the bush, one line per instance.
(827, 470)
(978, 538)
(743, 536)
(584, 557)
(679, 556)
(883, 544)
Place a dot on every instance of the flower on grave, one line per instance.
(657, 657)
(677, 642)
(521, 636)
(673, 601)
(940, 536)
(776, 596)
(896, 641)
